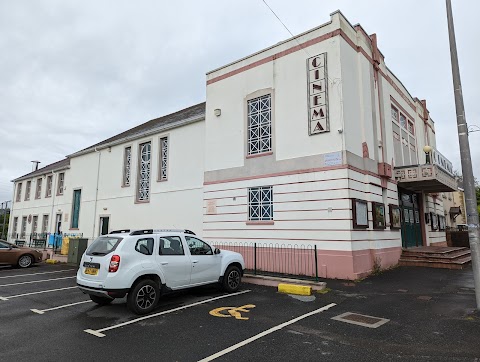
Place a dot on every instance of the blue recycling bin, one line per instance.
(51, 240)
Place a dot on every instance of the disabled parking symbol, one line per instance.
(227, 312)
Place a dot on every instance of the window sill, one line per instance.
(260, 154)
(124, 186)
(162, 180)
(142, 202)
(74, 229)
(260, 222)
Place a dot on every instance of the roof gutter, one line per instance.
(139, 135)
(26, 177)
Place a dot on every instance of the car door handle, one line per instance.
(164, 262)
(194, 261)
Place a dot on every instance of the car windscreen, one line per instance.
(103, 245)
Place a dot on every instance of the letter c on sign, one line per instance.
(315, 62)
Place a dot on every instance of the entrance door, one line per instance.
(411, 229)
(104, 221)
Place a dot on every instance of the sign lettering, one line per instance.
(317, 94)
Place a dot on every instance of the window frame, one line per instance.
(18, 197)
(356, 225)
(260, 150)
(261, 203)
(15, 226)
(376, 222)
(38, 188)
(139, 174)
(60, 183)
(49, 186)
(23, 230)
(45, 224)
(28, 190)
(127, 167)
(163, 162)
(391, 208)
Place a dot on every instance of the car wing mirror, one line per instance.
(217, 251)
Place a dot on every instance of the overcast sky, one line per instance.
(73, 73)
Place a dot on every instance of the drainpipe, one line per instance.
(53, 205)
(376, 68)
(96, 193)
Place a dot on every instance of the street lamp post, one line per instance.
(467, 171)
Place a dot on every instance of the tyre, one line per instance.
(100, 300)
(143, 297)
(232, 279)
(25, 261)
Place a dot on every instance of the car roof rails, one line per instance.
(122, 231)
(151, 231)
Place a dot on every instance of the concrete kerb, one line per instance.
(276, 281)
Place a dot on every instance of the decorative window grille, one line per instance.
(19, 192)
(394, 113)
(259, 125)
(27, 190)
(163, 158)
(48, 191)
(144, 172)
(61, 183)
(260, 203)
(38, 193)
(127, 166)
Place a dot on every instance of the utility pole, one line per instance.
(3, 213)
(467, 171)
(4, 217)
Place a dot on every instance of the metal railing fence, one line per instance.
(277, 259)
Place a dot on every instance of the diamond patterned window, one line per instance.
(260, 203)
(127, 162)
(163, 158)
(259, 125)
(144, 172)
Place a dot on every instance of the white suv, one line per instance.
(147, 263)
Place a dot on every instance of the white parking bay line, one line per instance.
(35, 281)
(42, 311)
(98, 332)
(263, 334)
(50, 272)
(32, 293)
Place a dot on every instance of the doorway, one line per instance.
(104, 223)
(410, 219)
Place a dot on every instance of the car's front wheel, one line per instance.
(25, 261)
(143, 297)
(232, 279)
(100, 300)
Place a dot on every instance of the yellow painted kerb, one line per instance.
(294, 289)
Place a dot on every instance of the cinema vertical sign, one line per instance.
(317, 94)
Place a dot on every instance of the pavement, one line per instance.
(429, 312)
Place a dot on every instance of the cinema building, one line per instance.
(312, 141)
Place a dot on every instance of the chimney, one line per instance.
(35, 165)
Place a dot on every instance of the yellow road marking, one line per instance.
(232, 311)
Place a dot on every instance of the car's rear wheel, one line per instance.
(143, 297)
(25, 261)
(100, 300)
(232, 279)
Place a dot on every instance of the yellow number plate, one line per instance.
(91, 271)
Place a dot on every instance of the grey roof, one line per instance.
(184, 116)
(59, 165)
(190, 114)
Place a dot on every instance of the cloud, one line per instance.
(75, 73)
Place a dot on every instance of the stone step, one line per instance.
(458, 263)
(437, 256)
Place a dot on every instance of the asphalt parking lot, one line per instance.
(43, 316)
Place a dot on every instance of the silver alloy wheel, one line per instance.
(146, 296)
(233, 279)
(25, 261)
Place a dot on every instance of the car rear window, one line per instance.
(103, 245)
